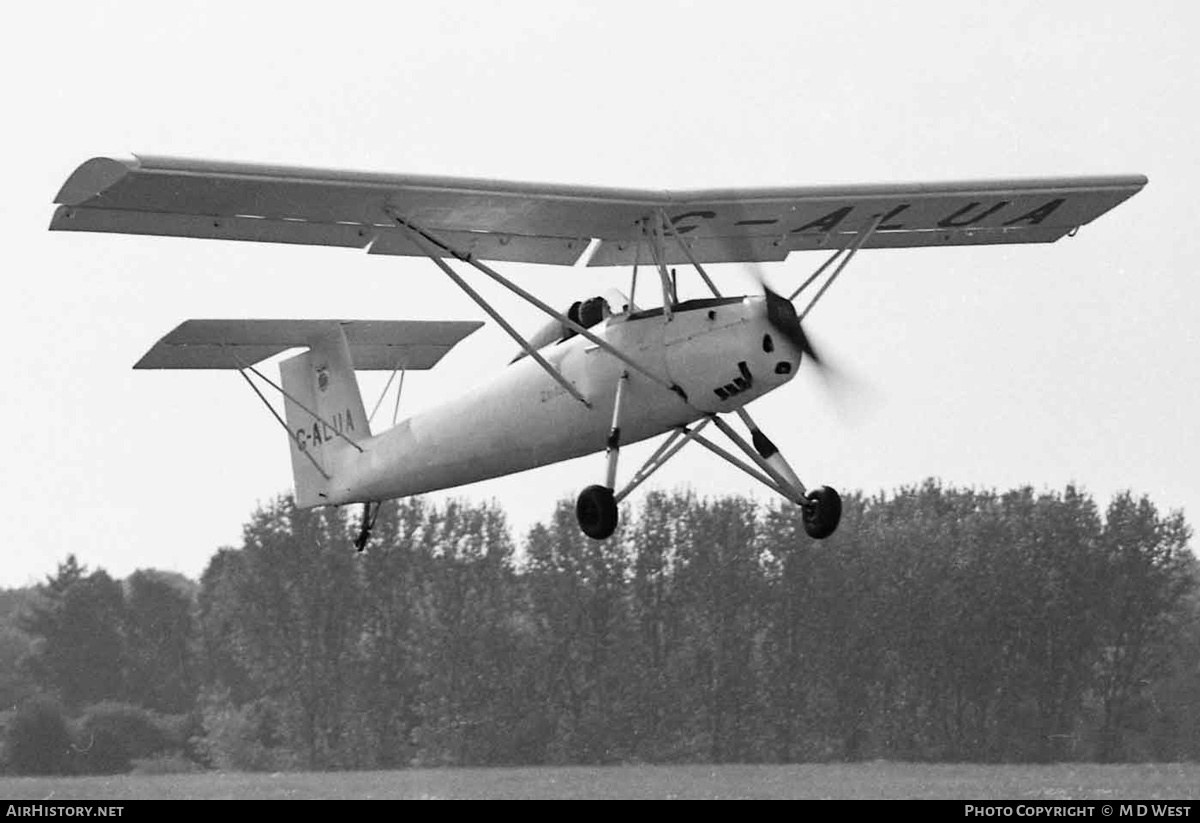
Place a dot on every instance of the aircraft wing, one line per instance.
(554, 224)
(374, 344)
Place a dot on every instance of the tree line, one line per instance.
(938, 624)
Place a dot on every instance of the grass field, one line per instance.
(870, 780)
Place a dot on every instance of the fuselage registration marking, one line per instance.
(320, 431)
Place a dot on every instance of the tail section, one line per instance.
(323, 406)
(324, 411)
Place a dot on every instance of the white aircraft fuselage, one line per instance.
(723, 353)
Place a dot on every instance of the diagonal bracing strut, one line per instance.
(426, 245)
(795, 493)
(429, 244)
(743, 465)
(769, 451)
(661, 455)
(243, 367)
(667, 222)
(658, 253)
(305, 408)
(383, 393)
(817, 273)
(859, 240)
(291, 434)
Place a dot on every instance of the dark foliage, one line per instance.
(159, 633)
(937, 624)
(77, 621)
(112, 735)
(38, 739)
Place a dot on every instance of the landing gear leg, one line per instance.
(596, 508)
(822, 507)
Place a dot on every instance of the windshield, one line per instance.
(618, 303)
(587, 313)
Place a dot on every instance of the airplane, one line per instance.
(600, 374)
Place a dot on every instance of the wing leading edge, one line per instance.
(554, 224)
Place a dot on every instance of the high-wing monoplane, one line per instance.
(602, 372)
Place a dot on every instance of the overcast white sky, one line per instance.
(989, 367)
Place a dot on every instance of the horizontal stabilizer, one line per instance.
(374, 344)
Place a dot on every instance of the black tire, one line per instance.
(596, 512)
(824, 512)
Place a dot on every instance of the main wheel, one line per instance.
(597, 512)
(823, 512)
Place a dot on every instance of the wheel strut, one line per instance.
(821, 507)
(366, 525)
(596, 507)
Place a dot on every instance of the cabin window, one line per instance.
(587, 313)
(768, 343)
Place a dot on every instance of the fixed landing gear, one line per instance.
(596, 507)
(822, 512)
(596, 510)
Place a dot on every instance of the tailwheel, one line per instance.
(822, 512)
(367, 524)
(596, 511)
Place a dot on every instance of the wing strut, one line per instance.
(688, 253)
(863, 236)
(658, 252)
(430, 244)
(633, 279)
(818, 272)
(425, 242)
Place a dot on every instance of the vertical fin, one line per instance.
(323, 412)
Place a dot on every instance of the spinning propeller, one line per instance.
(849, 395)
(782, 316)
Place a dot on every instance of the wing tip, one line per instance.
(93, 177)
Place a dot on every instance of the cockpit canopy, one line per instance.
(587, 313)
